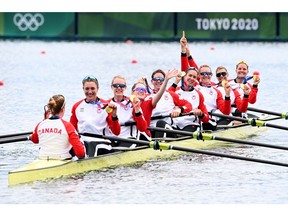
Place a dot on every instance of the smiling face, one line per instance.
(190, 77)
(221, 73)
(118, 85)
(242, 69)
(157, 79)
(139, 90)
(205, 74)
(90, 90)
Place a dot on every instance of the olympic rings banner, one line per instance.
(146, 26)
(39, 24)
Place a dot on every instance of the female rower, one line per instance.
(242, 70)
(151, 102)
(89, 116)
(127, 110)
(195, 97)
(241, 82)
(214, 99)
(57, 138)
(170, 104)
(240, 103)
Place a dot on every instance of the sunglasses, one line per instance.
(89, 78)
(138, 89)
(221, 74)
(161, 79)
(191, 68)
(118, 85)
(206, 73)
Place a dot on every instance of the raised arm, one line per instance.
(168, 76)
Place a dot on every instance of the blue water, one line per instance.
(30, 77)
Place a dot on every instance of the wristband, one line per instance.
(114, 118)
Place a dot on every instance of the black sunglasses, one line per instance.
(161, 79)
(206, 73)
(221, 73)
(118, 85)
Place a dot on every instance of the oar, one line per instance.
(157, 117)
(251, 121)
(165, 146)
(14, 139)
(13, 135)
(282, 115)
(204, 136)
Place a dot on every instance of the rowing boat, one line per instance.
(47, 169)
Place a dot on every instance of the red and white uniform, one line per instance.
(166, 104)
(187, 62)
(237, 86)
(214, 99)
(56, 138)
(195, 97)
(93, 118)
(147, 109)
(126, 113)
(235, 97)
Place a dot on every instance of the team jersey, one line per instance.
(237, 86)
(166, 104)
(56, 138)
(147, 109)
(196, 98)
(214, 99)
(235, 97)
(93, 118)
(126, 113)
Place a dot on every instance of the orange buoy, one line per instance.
(129, 41)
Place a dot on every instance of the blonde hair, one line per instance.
(119, 77)
(140, 81)
(242, 62)
(204, 65)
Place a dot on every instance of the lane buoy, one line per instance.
(134, 61)
(1, 83)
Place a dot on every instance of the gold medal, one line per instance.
(182, 73)
(132, 97)
(109, 109)
(224, 83)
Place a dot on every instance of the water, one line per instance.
(32, 71)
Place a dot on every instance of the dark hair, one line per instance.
(158, 71)
(191, 68)
(90, 78)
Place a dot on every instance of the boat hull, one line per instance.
(47, 169)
